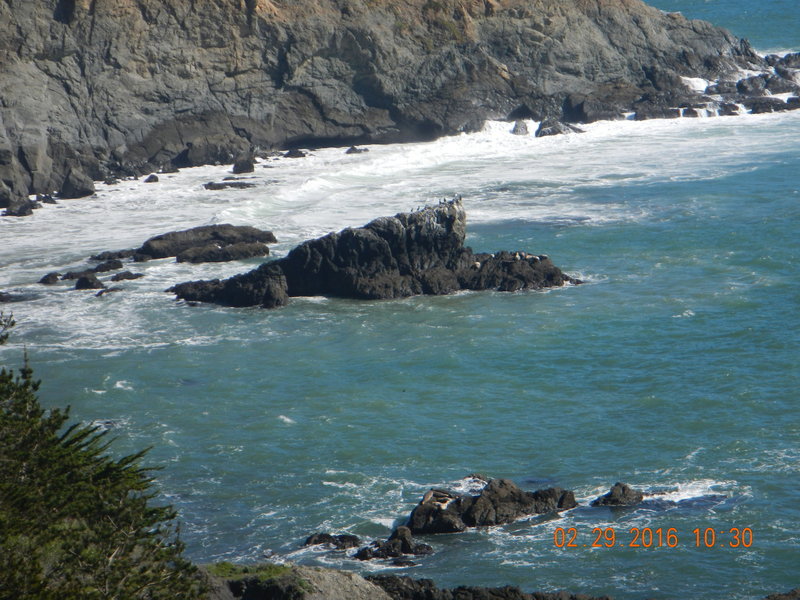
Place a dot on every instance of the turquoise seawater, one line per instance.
(674, 368)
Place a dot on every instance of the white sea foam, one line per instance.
(561, 181)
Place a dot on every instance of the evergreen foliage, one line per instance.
(74, 522)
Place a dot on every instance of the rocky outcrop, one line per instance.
(89, 282)
(621, 494)
(500, 502)
(550, 127)
(126, 87)
(399, 544)
(293, 582)
(127, 275)
(210, 242)
(340, 541)
(244, 164)
(414, 253)
(406, 588)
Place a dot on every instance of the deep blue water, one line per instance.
(674, 368)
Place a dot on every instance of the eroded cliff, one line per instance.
(98, 87)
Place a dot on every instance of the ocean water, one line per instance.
(674, 368)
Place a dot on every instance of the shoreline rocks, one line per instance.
(193, 243)
(409, 254)
(293, 582)
(621, 494)
(498, 503)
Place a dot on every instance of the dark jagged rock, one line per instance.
(126, 275)
(356, 150)
(244, 164)
(50, 278)
(113, 255)
(152, 178)
(621, 494)
(752, 86)
(727, 109)
(414, 253)
(109, 265)
(105, 267)
(555, 127)
(400, 543)
(766, 105)
(89, 282)
(22, 208)
(264, 286)
(176, 242)
(224, 185)
(520, 128)
(295, 153)
(340, 542)
(76, 185)
(217, 253)
(648, 111)
(71, 275)
(405, 588)
(500, 502)
(722, 87)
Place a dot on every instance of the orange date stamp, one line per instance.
(649, 537)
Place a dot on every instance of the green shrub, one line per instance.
(262, 571)
(74, 522)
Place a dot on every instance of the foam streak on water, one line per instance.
(673, 369)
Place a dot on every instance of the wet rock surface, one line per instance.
(500, 501)
(621, 494)
(340, 541)
(208, 240)
(413, 253)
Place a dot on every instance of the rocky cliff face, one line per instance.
(95, 87)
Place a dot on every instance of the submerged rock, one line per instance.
(413, 253)
(126, 275)
(223, 185)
